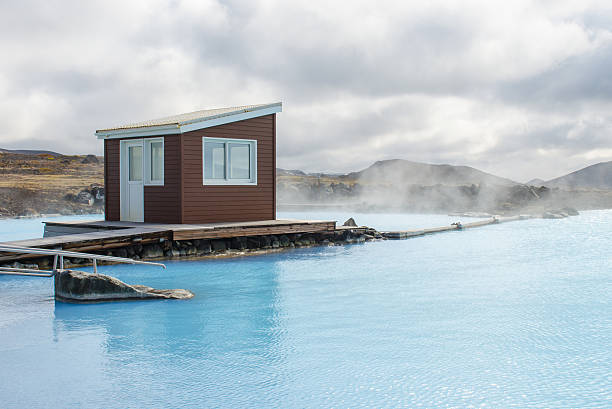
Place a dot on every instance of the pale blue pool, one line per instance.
(29, 228)
(511, 315)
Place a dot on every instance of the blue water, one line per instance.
(510, 315)
(21, 229)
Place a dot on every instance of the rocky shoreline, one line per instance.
(164, 249)
(237, 246)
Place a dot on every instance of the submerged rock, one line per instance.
(80, 286)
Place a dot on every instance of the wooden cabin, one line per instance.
(214, 165)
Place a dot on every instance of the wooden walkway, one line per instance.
(103, 235)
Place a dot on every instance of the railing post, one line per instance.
(55, 262)
(61, 262)
(95, 266)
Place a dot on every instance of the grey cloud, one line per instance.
(359, 84)
(574, 80)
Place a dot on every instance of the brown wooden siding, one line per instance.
(112, 208)
(162, 204)
(209, 204)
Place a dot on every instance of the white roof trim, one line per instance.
(192, 125)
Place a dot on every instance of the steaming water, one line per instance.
(510, 315)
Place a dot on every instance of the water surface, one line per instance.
(509, 315)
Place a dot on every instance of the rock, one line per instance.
(551, 215)
(97, 191)
(253, 242)
(84, 197)
(238, 243)
(204, 247)
(174, 251)
(90, 159)
(152, 251)
(350, 222)
(284, 241)
(218, 245)
(17, 264)
(44, 263)
(131, 252)
(121, 252)
(81, 287)
(265, 241)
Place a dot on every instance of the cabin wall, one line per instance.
(162, 204)
(209, 204)
(112, 209)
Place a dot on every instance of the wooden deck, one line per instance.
(103, 235)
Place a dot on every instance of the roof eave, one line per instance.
(230, 117)
(136, 132)
(221, 119)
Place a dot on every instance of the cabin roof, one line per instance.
(189, 121)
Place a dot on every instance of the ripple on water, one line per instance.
(510, 315)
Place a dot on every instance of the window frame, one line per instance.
(227, 181)
(147, 162)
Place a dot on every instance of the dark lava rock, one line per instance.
(218, 245)
(350, 222)
(204, 246)
(82, 287)
(552, 215)
(265, 241)
(284, 241)
(121, 252)
(90, 159)
(253, 242)
(84, 197)
(239, 243)
(152, 251)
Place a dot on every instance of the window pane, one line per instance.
(240, 160)
(214, 160)
(157, 161)
(135, 163)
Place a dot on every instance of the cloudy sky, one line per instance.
(522, 89)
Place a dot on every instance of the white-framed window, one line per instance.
(154, 161)
(229, 161)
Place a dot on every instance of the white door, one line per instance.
(132, 185)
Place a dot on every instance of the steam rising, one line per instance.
(398, 185)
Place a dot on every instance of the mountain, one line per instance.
(598, 176)
(29, 152)
(404, 172)
(536, 182)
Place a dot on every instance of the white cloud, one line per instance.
(517, 88)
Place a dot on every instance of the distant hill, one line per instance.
(289, 172)
(29, 152)
(404, 172)
(598, 176)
